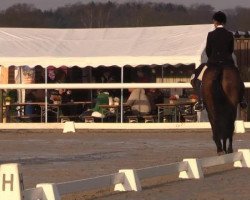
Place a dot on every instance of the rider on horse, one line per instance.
(219, 50)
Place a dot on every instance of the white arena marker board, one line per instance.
(194, 170)
(11, 182)
(239, 126)
(50, 191)
(245, 159)
(130, 182)
(69, 127)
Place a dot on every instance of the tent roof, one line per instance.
(109, 46)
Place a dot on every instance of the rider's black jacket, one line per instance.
(219, 48)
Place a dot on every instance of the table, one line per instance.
(176, 106)
(21, 105)
(52, 107)
(56, 108)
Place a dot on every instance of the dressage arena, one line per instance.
(48, 156)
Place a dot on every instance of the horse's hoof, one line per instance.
(221, 153)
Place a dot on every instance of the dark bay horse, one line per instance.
(222, 90)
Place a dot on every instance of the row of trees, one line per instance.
(99, 15)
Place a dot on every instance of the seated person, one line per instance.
(139, 102)
(97, 111)
(53, 98)
(109, 77)
(34, 95)
(63, 96)
(66, 95)
(102, 99)
(60, 96)
(155, 96)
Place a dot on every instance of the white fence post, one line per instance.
(239, 126)
(131, 181)
(11, 182)
(194, 170)
(69, 127)
(245, 160)
(50, 191)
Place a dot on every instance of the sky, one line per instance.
(48, 4)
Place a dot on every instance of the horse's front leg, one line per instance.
(230, 146)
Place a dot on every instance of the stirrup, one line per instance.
(198, 106)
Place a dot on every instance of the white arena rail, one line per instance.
(71, 127)
(220, 160)
(96, 86)
(33, 194)
(91, 183)
(100, 85)
(125, 180)
(109, 125)
(162, 170)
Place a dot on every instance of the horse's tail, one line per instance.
(218, 92)
(225, 93)
(224, 107)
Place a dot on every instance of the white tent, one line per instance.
(109, 46)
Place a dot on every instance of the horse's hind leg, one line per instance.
(225, 145)
(230, 146)
(218, 145)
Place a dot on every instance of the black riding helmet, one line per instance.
(220, 17)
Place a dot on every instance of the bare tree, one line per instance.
(130, 14)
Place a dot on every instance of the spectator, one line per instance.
(35, 95)
(108, 77)
(28, 75)
(97, 111)
(139, 102)
(39, 94)
(155, 96)
(60, 76)
(28, 78)
(66, 95)
(51, 74)
(141, 77)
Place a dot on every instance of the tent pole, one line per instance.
(162, 72)
(1, 106)
(46, 96)
(122, 94)
(1, 100)
(20, 81)
(91, 91)
(20, 112)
